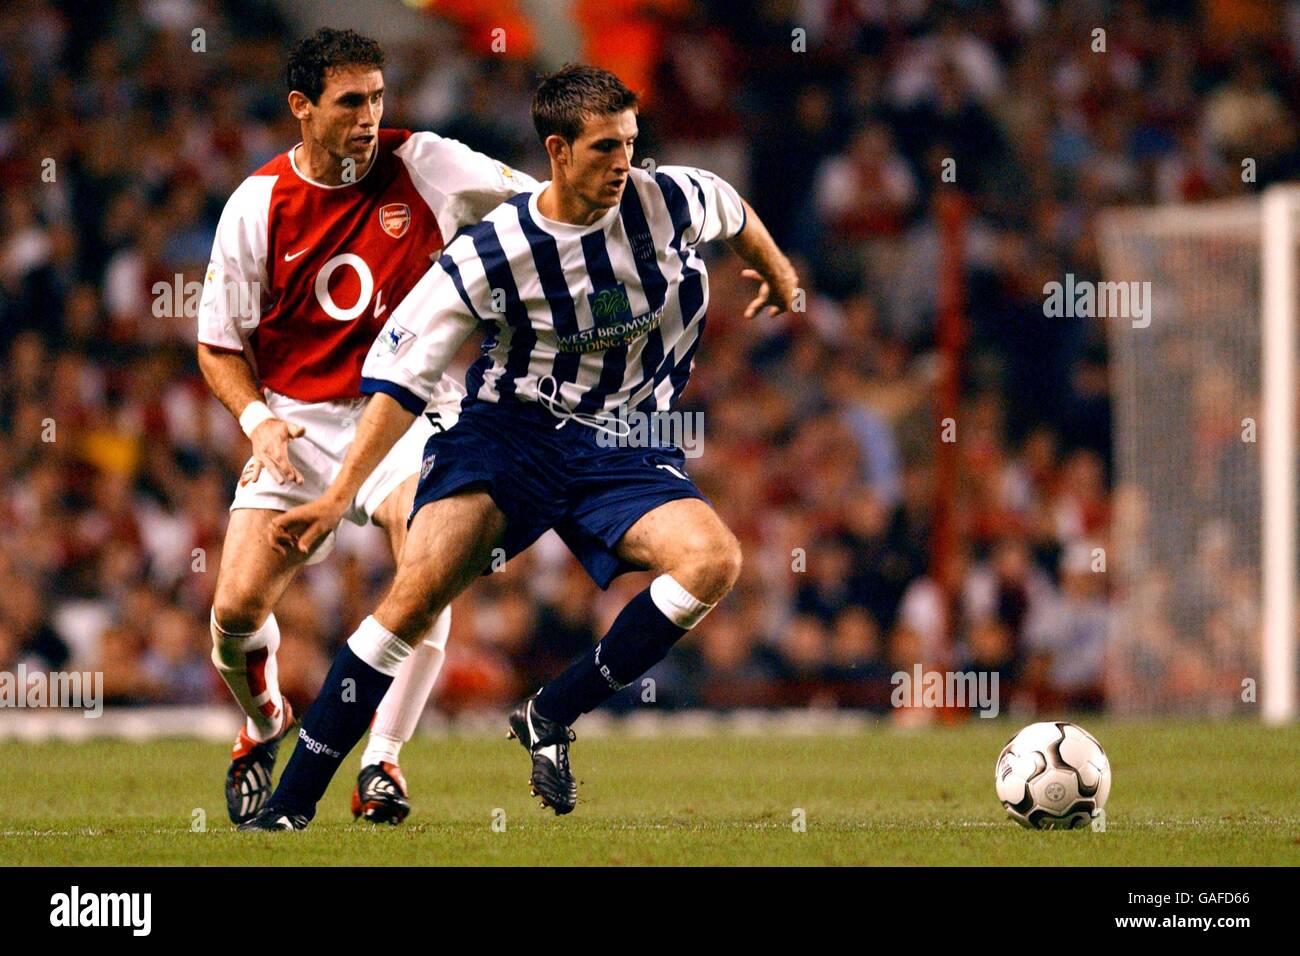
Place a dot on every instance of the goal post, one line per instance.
(1205, 435)
(1281, 216)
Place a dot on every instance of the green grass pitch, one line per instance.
(1184, 793)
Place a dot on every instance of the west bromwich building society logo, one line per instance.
(609, 305)
(613, 322)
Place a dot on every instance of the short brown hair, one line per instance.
(566, 99)
(326, 49)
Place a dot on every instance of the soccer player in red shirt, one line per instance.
(311, 251)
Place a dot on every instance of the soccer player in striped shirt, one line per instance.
(593, 298)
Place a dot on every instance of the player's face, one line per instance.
(345, 120)
(601, 158)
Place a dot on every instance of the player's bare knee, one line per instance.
(724, 566)
(239, 613)
(730, 561)
(709, 566)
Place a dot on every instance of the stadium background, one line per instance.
(821, 428)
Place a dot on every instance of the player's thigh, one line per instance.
(386, 496)
(448, 544)
(684, 535)
(392, 515)
(252, 576)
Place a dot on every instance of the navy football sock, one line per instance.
(336, 721)
(640, 637)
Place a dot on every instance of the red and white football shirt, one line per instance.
(303, 274)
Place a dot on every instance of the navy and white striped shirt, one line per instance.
(584, 319)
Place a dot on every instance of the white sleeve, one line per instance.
(715, 206)
(460, 185)
(231, 305)
(424, 332)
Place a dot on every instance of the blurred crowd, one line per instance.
(844, 123)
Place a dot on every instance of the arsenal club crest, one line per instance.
(395, 218)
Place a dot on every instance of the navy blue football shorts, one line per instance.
(543, 477)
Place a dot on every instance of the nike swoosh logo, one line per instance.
(670, 468)
(290, 258)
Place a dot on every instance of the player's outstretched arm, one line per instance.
(231, 379)
(775, 273)
(382, 424)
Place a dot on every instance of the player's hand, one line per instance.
(306, 526)
(775, 294)
(271, 450)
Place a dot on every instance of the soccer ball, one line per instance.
(1053, 776)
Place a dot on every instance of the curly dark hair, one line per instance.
(327, 49)
(573, 94)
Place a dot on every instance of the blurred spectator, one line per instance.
(1067, 638)
(178, 659)
(29, 637)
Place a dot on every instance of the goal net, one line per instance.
(1203, 549)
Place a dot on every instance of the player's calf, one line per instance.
(395, 724)
(641, 636)
(246, 662)
(362, 672)
(245, 635)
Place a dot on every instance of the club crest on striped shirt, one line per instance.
(610, 306)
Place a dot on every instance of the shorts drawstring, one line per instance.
(601, 423)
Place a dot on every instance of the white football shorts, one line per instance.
(318, 455)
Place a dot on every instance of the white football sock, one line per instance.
(400, 710)
(379, 647)
(676, 603)
(247, 664)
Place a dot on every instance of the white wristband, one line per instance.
(253, 415)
